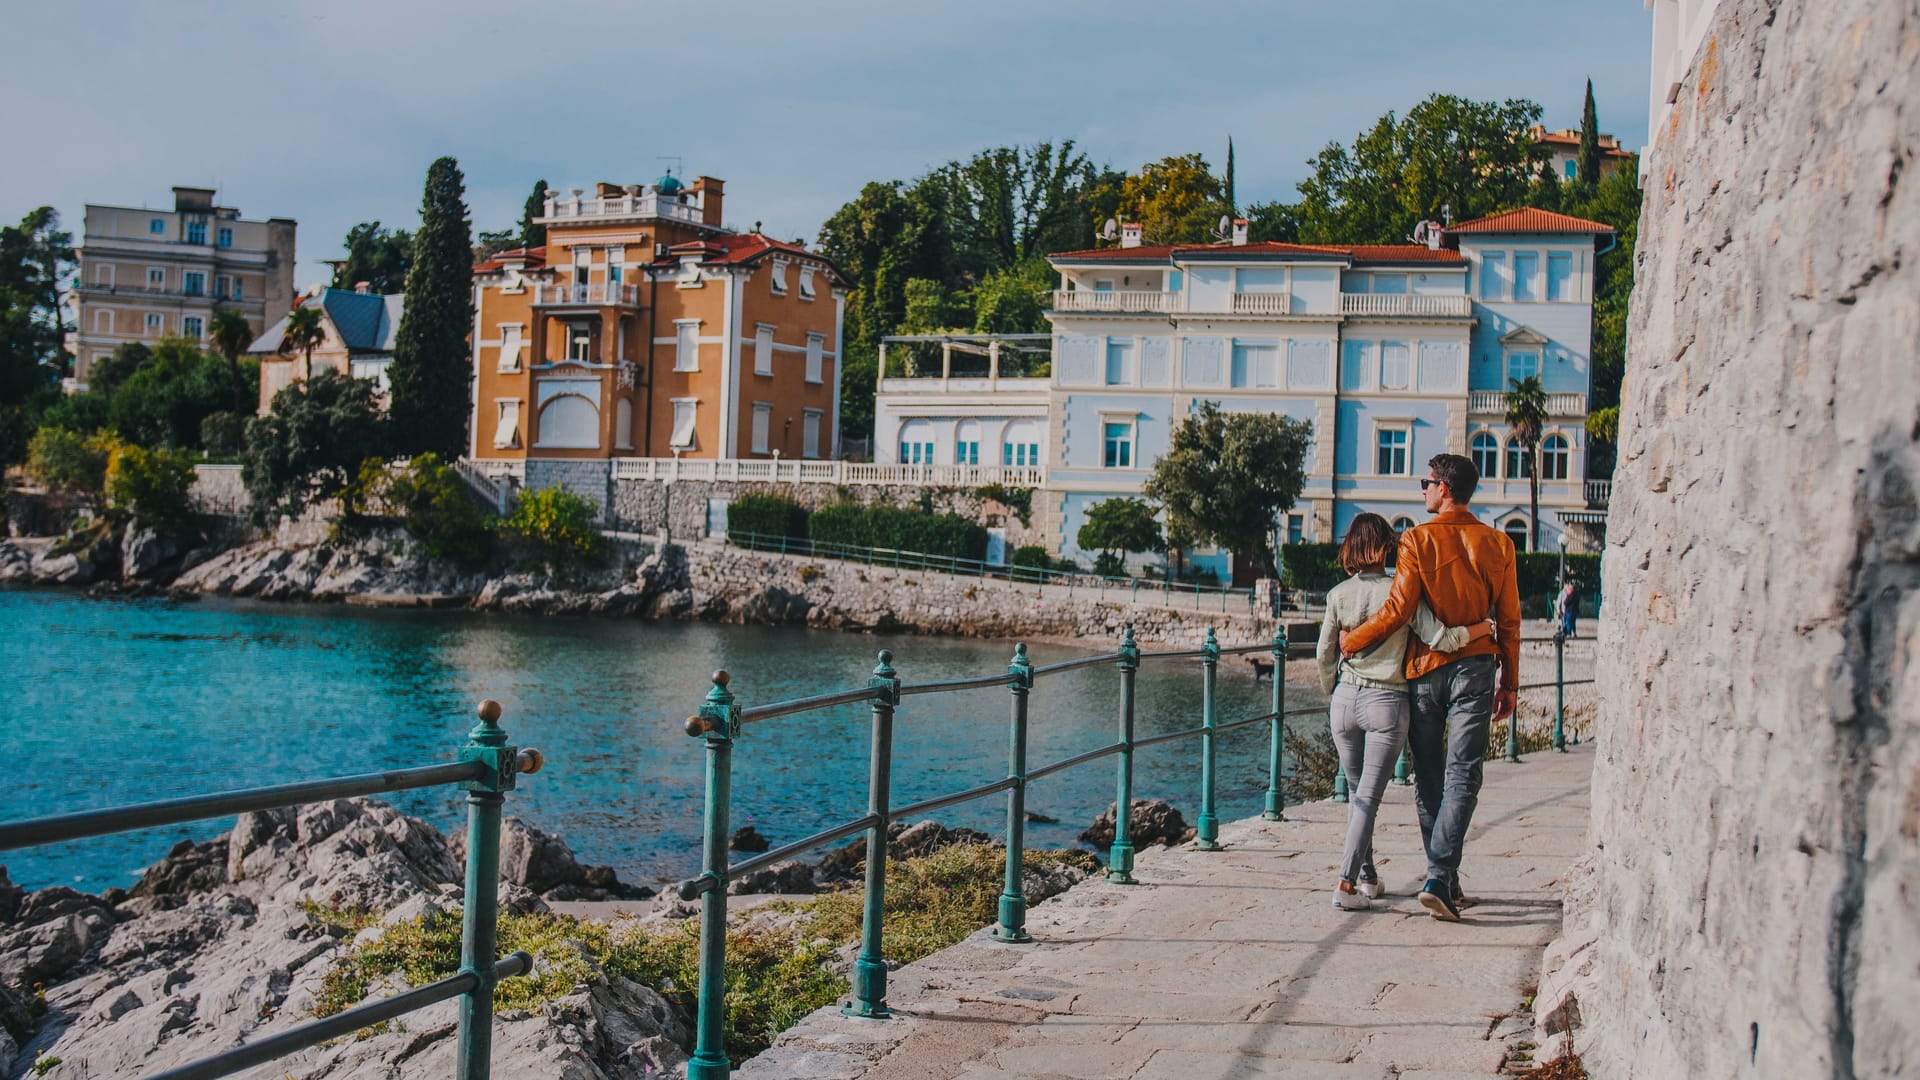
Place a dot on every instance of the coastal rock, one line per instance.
(10, 897)
(904, 841)
(188, 868)
(790, 876)
(748, 839)
(146, 552)
(40, 953)
(1152, 821)
(543, 864)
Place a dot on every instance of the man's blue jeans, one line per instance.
(1452, 712)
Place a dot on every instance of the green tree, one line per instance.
(1014, 300)
(1176, 200)
(311, 441)
(533, 234)
(376, 256)
(1233, 205)
(1228, 477)
(35, 257)
(1616, 202)
(1526, 416)
(1273, 221)
(165, 403)
(152, 485)
(1587, 170)
(230, 335)
(435, 505)
(1118, 527)
(429, 373)
(1011, 203)
(304, 333)
(63, 460)
(109, 374)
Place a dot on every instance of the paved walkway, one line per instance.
(1236, 964)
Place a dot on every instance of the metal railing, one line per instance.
(486, 767)
(1127, 589)
(720, 718)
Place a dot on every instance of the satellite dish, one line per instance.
(1110, 230)
(1226, 224)
(1420, 232)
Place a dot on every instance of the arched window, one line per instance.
(569, 421)
(1516, 531)
(966, 443)
(916, 443)
(1402, 524)
(1554, 458)
(1486, 455)
(1020, 444)
(1519, 462)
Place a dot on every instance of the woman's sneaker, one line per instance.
(1371, 888)
(1348, 898)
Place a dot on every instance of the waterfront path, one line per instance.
(1236, 964)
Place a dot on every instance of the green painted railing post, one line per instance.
(1560, 692)
(1120, 857)
(1401, 765)
(1013, 897)
(486, 745)
(1513, 732)
(1276, 808)
(1340, 793)
(1207, 829)
(870, 970)
(718, 720)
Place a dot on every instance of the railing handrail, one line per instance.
(486, 766)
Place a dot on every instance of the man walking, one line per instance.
(1464, 570)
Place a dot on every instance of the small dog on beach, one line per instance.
(1262, 669)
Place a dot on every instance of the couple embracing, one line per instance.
(1454, 593)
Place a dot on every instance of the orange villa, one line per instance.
(646, 328)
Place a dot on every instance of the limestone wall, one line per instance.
(1752, 904)
(680, 507)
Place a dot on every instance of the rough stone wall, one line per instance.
(680, 507)
(585, 478)
(219, 489)
(1752, 905)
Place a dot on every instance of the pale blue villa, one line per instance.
(1393, 353)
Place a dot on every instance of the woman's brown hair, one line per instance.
(1369, 540)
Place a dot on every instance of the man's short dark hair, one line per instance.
(1457, 473)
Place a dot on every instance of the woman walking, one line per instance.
(1369, 707)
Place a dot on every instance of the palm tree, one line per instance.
(304, 331)
(1527, 415)
(230, 335)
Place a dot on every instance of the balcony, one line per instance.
(1262, 303)
(1495, 401)
(1139, 303)
(562, 210)
(1404, 304)
(1599, 492)
(587, 296)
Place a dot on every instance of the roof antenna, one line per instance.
(1446, 214)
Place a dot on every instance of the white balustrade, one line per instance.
(621, 206)
(623, 295)
(1108, 300)
(1404, 304)
(1262, 303)
(1495, 401)
(826, 472)
(1599, 492)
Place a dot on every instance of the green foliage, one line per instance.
(768, 515)
(77, 412)
(376, 256)
(1273, 221)
(1014, 300)
(1312, 567)
(35, 257)
(305, 332)
(229, 335)
(152, 485)
(1109, 564)
(165, 401)
(1119, 526)
(435, 506)
(1538, 573)
(772, 979)
(63, 460)
(43, 1065)
(310, 444)
(1176, 200)
(932, 308)
(1615, 201)
(429, 373)
(1227, 477)
(557, 526)
(531, 233)
(1032, 555)
(1527, 415)
(1587, 169)
(111, 373)
(1016, 499)
(898, 529)
(223, 434)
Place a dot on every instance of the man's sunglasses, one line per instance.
(1427, 483)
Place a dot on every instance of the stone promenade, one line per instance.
(1236, 964)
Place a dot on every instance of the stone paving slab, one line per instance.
(1236, 964)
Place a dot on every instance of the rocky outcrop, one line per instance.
(1152, 821)
(542, 863)
(1756, 790)
(904, 841)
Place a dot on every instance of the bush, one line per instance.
(310, 444)
(557, 526)
(1313, 567)
(1018, 500)
(153, 485)
(67, 461)
(1539, 574)
(1030, 555)
(850, 524)
(767, 515)
(437, 508)
(1110, 564)
(223, 434)
(165, 401)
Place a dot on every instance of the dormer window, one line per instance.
(778, 280)
(806, 283)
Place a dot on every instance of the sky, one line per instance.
(330, 113)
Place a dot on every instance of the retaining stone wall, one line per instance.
(219, 489)
(588, 479)
(1752, 903)
(679, 508)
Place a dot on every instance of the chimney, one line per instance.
(1239, 232)
(364, 288)
(710, 192)
(604, 190)
(1436, 237)
(1130, 234)
(198, 199)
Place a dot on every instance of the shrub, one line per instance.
(310, 444)
(556, 525)
(67, 461)
(1019, 500)
(1313, 567)
(891, 527)
(223, 434)
(1110, 564)
(1030, 555)
(437, 509)
(767, 515)
(153, 485)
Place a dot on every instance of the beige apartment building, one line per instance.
(149, 274)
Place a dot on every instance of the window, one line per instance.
(763, 350)
(1256, 366)
(777, 278)
(966, 443)
(580, 343)
(1020, 444)
(154, 325)
(196, 232)
(1559, 276)
(1396, 365)
(762, 419)
(103, 322)
(1554, 457)
(683, 409)
(615, 272)
(1390, 284)
(222, 285)
(816, 345)
(806, 283)
(1522, 365)
(686, 345)
(582, 266)
(916, 443)
(1570, 169)
(510, 347)
(1526, 264)
(1392, 457)
(1296, 529)
(375, 370)
(1493, 269)
(506, 432)
(1118, 444)
(1356, 365)
(103, 274)
(1402, 524)
(1119, 361)
(237, 290)
(1516, 531)
(225, 236)
(1486, 455)
(190, 326)
(1103, 286)
(569, 414)
(194, 283)
(1309, 365)
(1440, 366)
(156, 278)
(810, 433)
(1519, 462)
(157, 227)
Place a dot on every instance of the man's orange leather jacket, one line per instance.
(1464, 570)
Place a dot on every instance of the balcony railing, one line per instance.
(1255, 303)
(826, 472)
(563, 209)
(1599, 492)
(1495, 401)
(1403, 304)
(597, 295)
(1108, 300)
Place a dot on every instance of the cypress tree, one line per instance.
(1232, 206)
(532, 235)
(1588, 171)
(430, 370)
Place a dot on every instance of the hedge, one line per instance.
(1314, 567)
(854, 525)
(768, 515)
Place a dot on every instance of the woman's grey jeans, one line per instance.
(1369, 727)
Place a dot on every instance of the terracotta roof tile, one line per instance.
(1356, 252)
(737, 249)
(534, 257)
(1530, 220)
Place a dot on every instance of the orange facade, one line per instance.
(644, 328)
